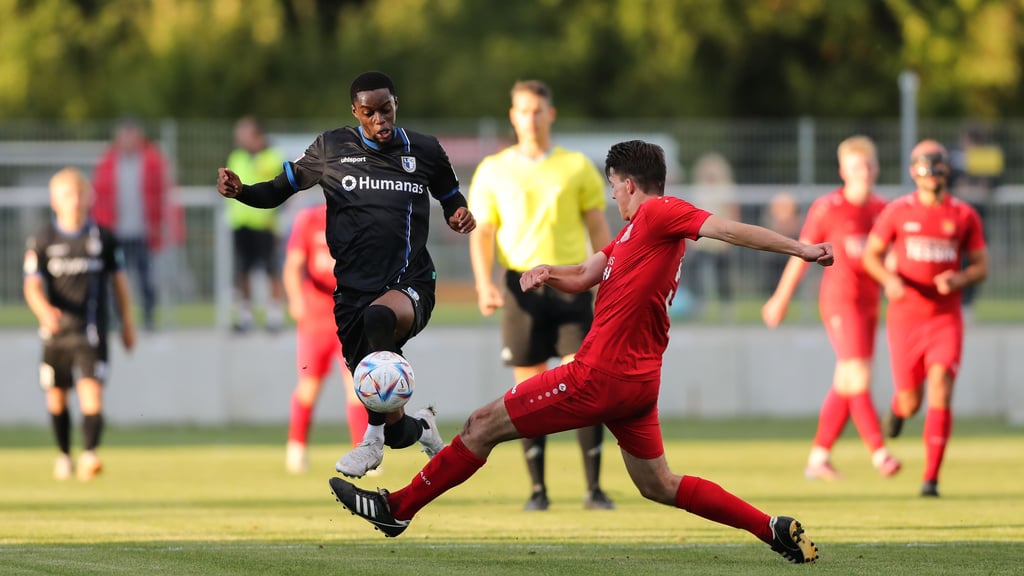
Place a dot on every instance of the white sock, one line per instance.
(819, 455)
(879, 456)
(374, 432)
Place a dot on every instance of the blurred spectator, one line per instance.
(131, 184)
(783, 216)
(712, 260)
(254, 230)
(978, 164)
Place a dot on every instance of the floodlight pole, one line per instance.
(909, 85)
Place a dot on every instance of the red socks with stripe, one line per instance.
(709, 500)
(452, 466)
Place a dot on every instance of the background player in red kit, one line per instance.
(848, 303)
(308, 277)
(615, 377)
(929, 232)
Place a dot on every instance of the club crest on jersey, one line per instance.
(409, 163)
(948, 227)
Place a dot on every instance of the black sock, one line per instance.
(92, 429)
(590, 439)
(62, 430)
(533, 449)
(375, 418)
(379, 327)
(405, 432)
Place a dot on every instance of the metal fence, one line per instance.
(766, 157)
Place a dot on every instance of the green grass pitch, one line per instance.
(218, 502)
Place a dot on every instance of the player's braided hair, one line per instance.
(642, 161)
(371, 81)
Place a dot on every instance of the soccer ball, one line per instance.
(384, 381)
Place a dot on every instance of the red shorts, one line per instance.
(850, 329)
(915, 346)
(315, 351)
(576, 396)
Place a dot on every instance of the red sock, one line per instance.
(938, 424)
(298, 429)
(357, 421)
(709, 500)
(452, 466)
(866, 419)
(834, 412)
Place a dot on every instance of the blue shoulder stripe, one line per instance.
(290, 173)
(405, 139)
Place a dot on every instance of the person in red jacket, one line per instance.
(131, 183)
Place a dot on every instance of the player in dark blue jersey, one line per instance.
(68, 266)
(378, 180)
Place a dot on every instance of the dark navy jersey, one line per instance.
(76, 270)
(378, 202)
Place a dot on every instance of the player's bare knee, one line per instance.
(654, 489)
(909, 402)
(853, 376)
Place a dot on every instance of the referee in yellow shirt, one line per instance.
(536, 203)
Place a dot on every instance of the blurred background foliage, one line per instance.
(80, 59)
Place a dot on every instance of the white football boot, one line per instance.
(363, 458)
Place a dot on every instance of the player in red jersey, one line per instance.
(309, 283)
(615, 376)
(848, 304)
(929, 232)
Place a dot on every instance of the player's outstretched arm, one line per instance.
(759, 238)
(571, 279)
(270, 194)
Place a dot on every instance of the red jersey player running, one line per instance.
(309, 283)
(615, 377)
(929, 232)
(848, 304)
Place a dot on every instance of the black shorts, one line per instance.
(543, 324)
(71, 358)
(348, 314)
(255, 249)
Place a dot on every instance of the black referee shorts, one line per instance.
(255, 250)
(542, 324)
